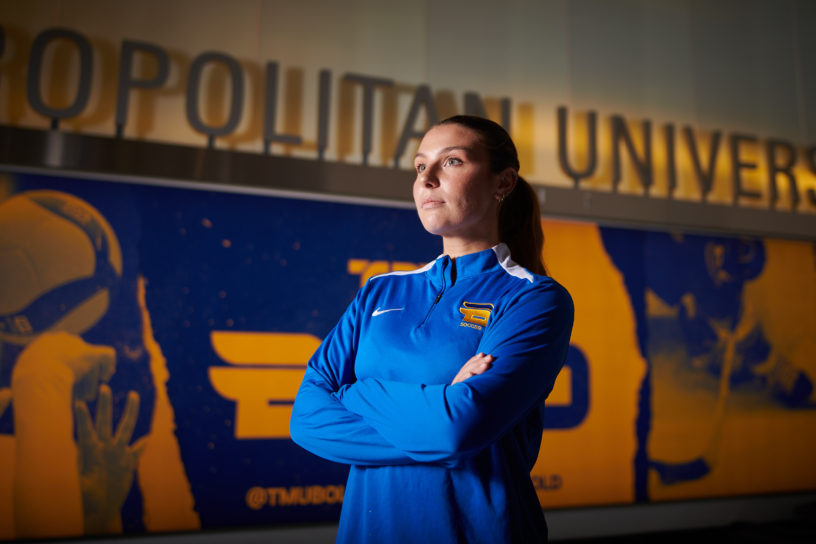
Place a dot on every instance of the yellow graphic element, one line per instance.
(561, 394)
(257, 497)
(254, 348)
(594, 461)
(476, 312)
(263, 396)
(168, 499)
(366, 268)
(41, 250)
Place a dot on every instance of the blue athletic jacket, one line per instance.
(433, 462)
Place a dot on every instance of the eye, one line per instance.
(420, 168)
(452, 161)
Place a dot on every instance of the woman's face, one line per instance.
(455, 192)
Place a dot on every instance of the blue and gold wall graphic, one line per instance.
(152, 339)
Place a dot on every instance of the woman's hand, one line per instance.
(475, 366)
(107, 461)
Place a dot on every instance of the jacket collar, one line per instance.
(468, 265)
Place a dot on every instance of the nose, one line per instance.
(428, 177)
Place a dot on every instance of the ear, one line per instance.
(507, 181)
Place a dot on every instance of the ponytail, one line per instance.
(520, 227)
(519, 214)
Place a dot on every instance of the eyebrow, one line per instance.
(449, 149)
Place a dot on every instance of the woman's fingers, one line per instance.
(476, 365)
(479, 363)
(85, 429)
(127, 423)
(104, 414)
(482, 364)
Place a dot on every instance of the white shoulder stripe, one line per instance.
(510, 266)
(405, 272)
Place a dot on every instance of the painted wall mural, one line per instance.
(152, 339)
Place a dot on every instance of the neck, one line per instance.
(456, 247)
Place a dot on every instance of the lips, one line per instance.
(431, 203)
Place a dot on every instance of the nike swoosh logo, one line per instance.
(377, 312)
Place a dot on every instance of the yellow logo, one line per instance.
(264, 378)
(476, 314)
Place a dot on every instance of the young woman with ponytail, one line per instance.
(441, 451)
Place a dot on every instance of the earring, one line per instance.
(500, 197)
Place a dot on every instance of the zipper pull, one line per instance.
(437, 298)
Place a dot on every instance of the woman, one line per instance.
(441, 451)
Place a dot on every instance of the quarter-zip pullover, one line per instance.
(434, 462)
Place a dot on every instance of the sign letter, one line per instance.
(236, 100)
(127, 81)
(35, 69)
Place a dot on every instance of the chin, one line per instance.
(433, 225)
(431, 229)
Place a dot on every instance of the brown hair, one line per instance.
(519, 213)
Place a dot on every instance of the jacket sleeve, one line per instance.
(320, 423)
(444, 423)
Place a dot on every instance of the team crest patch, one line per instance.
(476, 314)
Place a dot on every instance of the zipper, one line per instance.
(438, 296)
(431, 309)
